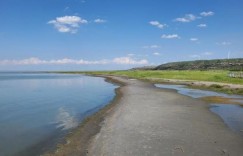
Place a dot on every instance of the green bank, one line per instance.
(217, 76)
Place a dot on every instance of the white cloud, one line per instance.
(202, 25)
(64, 61)
(66, 8)
(129, 61)
(187, 18)
(194, 39)
(205, 14)
(68, 24)
(131, 54)
(190, 17)
(100, 20)
(157, 24)
(37, 61)
(224, 43)
(171, 36)
(156, 53)
(152, 46)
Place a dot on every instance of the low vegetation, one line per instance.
(218, 64)
(219, 71)
(155, 76)
(211, 75)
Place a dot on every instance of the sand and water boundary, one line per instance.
(204, 132)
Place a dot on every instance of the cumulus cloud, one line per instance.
(205, 14)
(64, 61)
(193, 39)
(171, 36)
(157, 24)
(190, 17)
(224, 43)
(129, 61)
(186, 18)
(37, 61)
(131, 54)
(68, 24)
(202, 25)
(152, 46)
(66, 8)
(100, 20)
(156, 53)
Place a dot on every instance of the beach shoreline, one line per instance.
(85, 140)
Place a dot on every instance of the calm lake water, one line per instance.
(37, 110)
(230, 113)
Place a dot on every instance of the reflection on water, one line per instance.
(33, 107)
(230, 113)
(65, 120)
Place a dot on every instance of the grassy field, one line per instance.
(158, 76)
(212, 76)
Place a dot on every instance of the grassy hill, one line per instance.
(218, 64)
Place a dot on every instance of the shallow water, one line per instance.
(231, 114)
(36, 110)
(195, 93)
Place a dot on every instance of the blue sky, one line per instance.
(108, 34)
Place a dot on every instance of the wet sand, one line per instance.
(197, 83)
(145, 120)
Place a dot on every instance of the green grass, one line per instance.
(212, 76)
(158, 76)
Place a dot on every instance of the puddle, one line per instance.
(195, 93)
(231, 114)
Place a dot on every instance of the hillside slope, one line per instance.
(218, 64)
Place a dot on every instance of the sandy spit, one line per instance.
(147, 121)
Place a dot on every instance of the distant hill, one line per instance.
(144, 68)
(218, 64)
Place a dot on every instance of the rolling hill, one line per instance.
(217, 64)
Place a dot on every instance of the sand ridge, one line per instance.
(152, 121)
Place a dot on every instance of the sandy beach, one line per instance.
(145, 120)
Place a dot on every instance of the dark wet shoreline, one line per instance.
(91, 125)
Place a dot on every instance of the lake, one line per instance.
(38, 109)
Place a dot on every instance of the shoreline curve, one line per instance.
(118, 128)
(77, 141)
